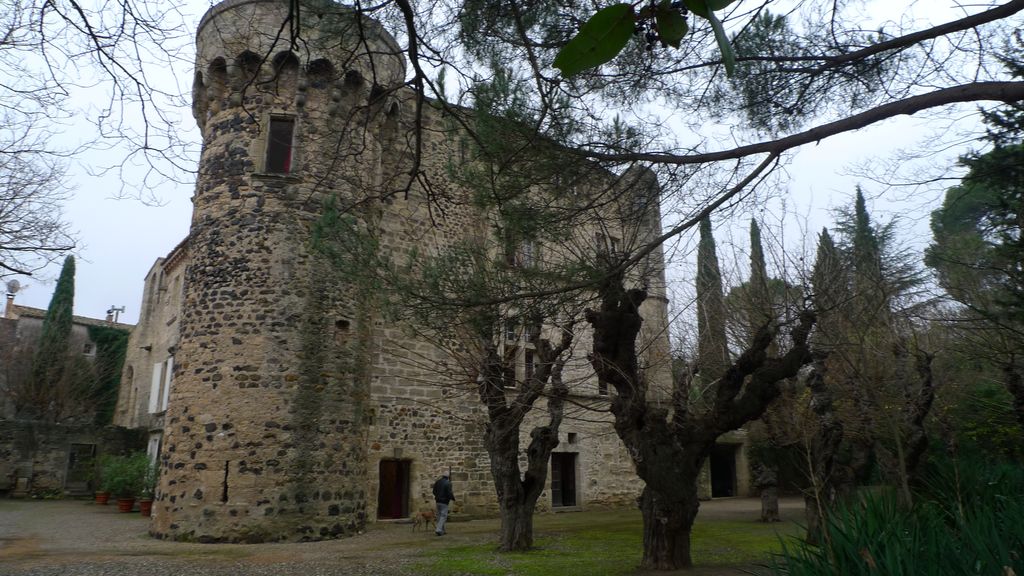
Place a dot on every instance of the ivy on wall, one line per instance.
(111, 347)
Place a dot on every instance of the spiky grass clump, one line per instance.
(968, 519)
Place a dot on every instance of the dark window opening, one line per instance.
(533, 332)
(511, 331)
(250, 63)
(279, 145)
(723, 471)
(393, 495)
(508, 367)
(527, 365)
(563, 479)
(353, 79)
(320, 73)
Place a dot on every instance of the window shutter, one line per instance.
(168, 377)
(154, 388)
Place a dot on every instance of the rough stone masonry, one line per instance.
(298, 411)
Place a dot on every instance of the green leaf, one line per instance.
(698, 7)
(728, 55)
(718, 4)
(600, 39)
(671, 24)
(704, 7)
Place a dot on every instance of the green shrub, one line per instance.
(125, 476)
(968, 519)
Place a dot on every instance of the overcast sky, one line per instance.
(121, 238)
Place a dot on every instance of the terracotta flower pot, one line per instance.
(102, 497)
(125, 504)
(146, 506)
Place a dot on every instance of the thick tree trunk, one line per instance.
(1015, 386)
(814, 517)
(516, 511)
(919, 404)
(668, 521)
(517, 496)
(518, 491)
(822, 469)
(768, 482)
(516, 528)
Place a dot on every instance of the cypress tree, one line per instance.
(712, 348)
(829, 285)
(760, 310)
(50, 362)
(866, 255)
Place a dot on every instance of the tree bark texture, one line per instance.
(668, 520)
(767, 481)
(822, 468)
(919, 404)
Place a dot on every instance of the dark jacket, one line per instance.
(443, 490)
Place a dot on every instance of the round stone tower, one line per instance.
(265, 433)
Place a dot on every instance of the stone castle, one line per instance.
(281, 405)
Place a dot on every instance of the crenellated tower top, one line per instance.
(247, 47)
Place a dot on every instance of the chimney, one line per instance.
(9, 309)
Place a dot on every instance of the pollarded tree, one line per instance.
(669, 444)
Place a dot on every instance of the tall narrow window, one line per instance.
(508, 367)
(279, 145)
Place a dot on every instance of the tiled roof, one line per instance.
(40, 313)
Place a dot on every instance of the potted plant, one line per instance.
(102, 494)
(125, 476)
(148, 490)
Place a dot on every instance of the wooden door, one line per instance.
(393, 491)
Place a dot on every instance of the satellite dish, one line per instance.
(13, 286)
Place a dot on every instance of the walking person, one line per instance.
(442, 496)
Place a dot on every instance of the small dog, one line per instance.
(424, 518)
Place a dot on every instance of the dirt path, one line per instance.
(75, 538)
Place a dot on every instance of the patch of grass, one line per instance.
(607, 543)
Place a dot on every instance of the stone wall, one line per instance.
(34, 456)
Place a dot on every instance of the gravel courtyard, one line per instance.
(78, 538)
